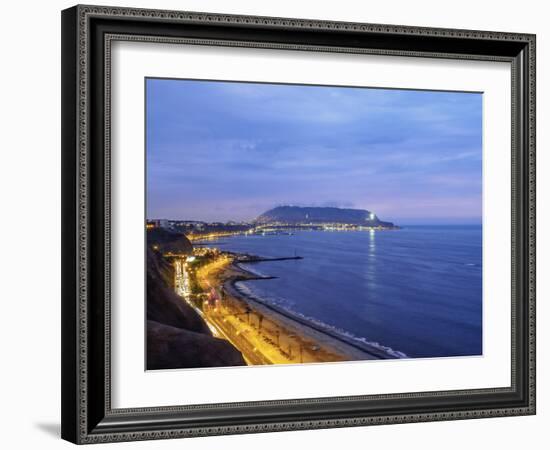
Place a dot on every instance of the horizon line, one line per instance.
(402, 222)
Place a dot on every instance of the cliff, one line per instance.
(299, 214)
(166, 241)
(177, 336)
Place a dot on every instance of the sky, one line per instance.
(220, 151)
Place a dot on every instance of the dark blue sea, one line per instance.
(415, 292)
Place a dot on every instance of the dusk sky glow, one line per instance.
(219, 151)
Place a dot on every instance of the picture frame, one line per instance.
(87, 413)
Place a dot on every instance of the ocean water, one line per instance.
(416, 292)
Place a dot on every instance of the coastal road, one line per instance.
(239, 341)
(262, 336)
(228, 325)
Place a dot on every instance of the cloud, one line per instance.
(216, 146)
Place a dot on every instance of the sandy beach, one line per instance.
(281, 336)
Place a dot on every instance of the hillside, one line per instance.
(168, 241)
(177, 337)
(316, 215)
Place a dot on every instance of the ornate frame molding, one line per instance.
(87, 423)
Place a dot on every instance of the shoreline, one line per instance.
(348, 348)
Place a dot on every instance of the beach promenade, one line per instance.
(263, 334)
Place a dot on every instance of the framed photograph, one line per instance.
(277, 224)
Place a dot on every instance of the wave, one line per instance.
(347, 334)
(244, 288)
(254, 270)
(282, 306)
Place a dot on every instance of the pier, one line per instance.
(254, 259)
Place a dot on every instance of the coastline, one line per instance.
(337, 295)
(345, 348)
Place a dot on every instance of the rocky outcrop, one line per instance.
(170, 347)
(166, 241)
